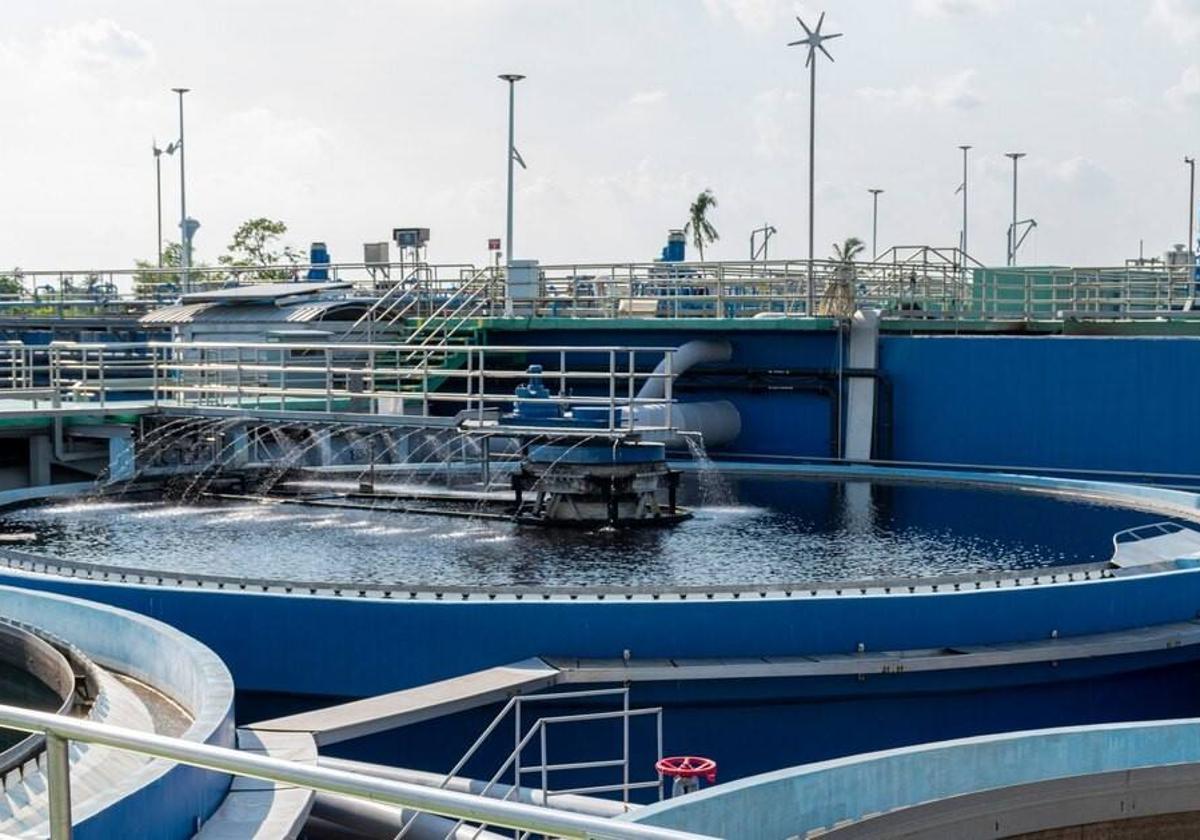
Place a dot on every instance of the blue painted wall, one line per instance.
(1055, 402)
(351, 646)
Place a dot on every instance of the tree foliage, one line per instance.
(257, 242)
(11, 284)
(698, 225)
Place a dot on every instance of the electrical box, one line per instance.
(377, 253)
(410, 237)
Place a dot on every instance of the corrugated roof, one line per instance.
(303, 313)
(260, 292)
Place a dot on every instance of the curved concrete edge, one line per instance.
(33, 495)
(172, 797)
(1147, 796)
(1141, 496)
(824, 795)
(260, 809)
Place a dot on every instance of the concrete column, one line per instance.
(39, 460)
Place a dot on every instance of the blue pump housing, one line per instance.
(318, 254)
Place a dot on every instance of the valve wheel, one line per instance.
(687, 767)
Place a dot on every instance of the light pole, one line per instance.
(813, 39)
(963, 188)
(158, 153)
(767, 232)
(874, 222)
(158, 196)
(1191, 240)
(185, 251)
(513, 157)
(1012, 231)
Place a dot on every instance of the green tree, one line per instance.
(837, 301)
(11, 284)
(256, 242)
(698, 225)
(148, 282)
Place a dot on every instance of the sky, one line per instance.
(347, 119)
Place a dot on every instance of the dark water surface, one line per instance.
(768, 531)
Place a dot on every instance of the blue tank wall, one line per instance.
(1119, 404)
(1057, 402)
(270, 642)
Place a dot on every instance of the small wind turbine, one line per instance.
(814, 39)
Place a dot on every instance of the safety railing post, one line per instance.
(612, 390)
(58, 774)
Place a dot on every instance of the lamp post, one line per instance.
(158, 153)
(767, 232)
(512, 157)
(963, 188)
(874, 222)
(1191, 240)
(813, 39)
(185, 251)
(1012, 231)
(158, 197)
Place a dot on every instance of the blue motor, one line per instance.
(535, 389)
(676, 247)
(318, 254)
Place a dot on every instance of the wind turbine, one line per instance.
(814, 39)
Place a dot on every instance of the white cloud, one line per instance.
(97, 45)
(954, 8)
(1185, 94)
(955, 91)
(754, 15)
(1179, 19)
(769, 109)
(1082, 174)
(648, 97)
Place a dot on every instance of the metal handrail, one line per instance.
(60, 730)
(365, 377)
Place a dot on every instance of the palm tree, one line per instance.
(837, 301)
(698, 224)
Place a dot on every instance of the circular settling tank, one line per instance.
(747, 530)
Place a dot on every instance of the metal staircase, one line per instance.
(537, 734)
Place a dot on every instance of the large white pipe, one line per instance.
(375, 820)
(686, 357)
(717, 421)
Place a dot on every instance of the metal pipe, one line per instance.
(965, 149)
(512, 79)
(185, 257)
(1191, 240)
(58, 774)
(579, 804)
(431, 800)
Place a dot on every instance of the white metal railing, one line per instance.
(918, 281)
(468, 381)
(540, 731)
(60, 730)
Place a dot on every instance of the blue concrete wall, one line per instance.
(352, 646)
(1055, 402)
(1118, 404)
(788, 803)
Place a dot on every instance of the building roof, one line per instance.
(301, 312)
(263, 292)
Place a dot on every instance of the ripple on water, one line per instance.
(767, 531)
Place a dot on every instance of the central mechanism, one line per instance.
(611, 478)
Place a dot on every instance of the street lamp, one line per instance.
(874, 222)
(814, 40)
(512, 156)
(185, 257)
(767, 232)
(158, 153)
(1191, 240)
(963, 189)
(1013, 241)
